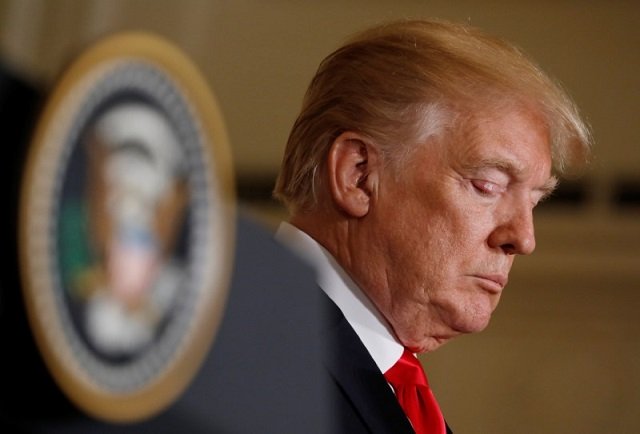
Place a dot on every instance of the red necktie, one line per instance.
(416, 398)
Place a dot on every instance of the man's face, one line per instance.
(443, 235)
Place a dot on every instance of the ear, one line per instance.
(352, 166)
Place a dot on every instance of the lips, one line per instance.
(493, 283)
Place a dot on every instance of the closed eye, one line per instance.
(487, 188)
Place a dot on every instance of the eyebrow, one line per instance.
(548, 188)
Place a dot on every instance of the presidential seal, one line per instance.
(127, 226)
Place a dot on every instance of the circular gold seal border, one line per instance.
(58, 114)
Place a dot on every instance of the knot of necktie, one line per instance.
(414, 395)
(407, 371)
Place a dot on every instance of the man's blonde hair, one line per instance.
(401, 82)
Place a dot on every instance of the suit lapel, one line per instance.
(359, 378)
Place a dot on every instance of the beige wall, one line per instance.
(259, 54)
(562, 354)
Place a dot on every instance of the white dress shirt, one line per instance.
(370, 326)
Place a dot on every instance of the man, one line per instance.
(411, 175)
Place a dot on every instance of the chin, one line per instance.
(469, 316)
(429, 345)
(453, 323)
(426, 344)
(474, 324)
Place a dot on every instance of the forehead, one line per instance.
(516, 141)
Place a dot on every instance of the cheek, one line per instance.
(429, 237)
(421, 260)
(468, 228)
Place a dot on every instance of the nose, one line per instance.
(515, 234)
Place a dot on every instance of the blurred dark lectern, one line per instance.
(262, 374)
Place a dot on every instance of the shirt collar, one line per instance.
(368, 323)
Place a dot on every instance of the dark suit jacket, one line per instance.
(363, 399)
(284, 360)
